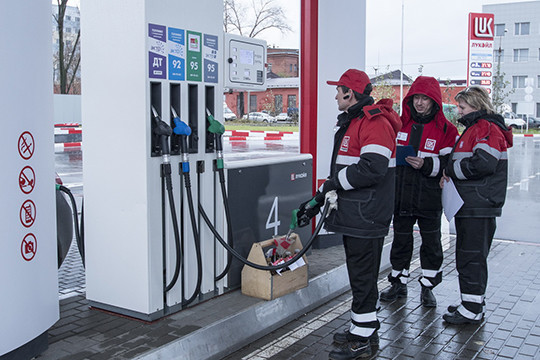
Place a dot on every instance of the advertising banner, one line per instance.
(480, 65)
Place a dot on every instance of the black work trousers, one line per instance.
(431, 254)
(363, 256)
(473, 242)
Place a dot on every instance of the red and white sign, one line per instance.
(29, 247)
(27, 180)
(28, 213)
(481, 34)
(26, 145)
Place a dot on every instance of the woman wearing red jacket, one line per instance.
(478, 166)
(428, 133)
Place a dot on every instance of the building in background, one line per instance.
(283, 84)
(519, 52)
(72, 25)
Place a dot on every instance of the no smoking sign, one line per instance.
(26, 145)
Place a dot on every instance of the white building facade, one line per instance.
(517, 35)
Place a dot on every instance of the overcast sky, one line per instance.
(435, 34)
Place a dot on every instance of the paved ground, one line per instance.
(511, 328)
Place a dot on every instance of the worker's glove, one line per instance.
(307, 211)
(328, 185)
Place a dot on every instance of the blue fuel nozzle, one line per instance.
(181, 128)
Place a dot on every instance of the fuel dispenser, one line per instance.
(156, 204)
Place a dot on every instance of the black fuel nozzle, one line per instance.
(163, 130)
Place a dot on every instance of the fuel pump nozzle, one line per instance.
(163, 130)
(182, 129)
(217, 129)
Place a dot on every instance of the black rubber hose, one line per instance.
(196, 238)
(229, 225)
(262, 267)
(166, 172)
(80, 240)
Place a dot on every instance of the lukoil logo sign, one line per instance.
(481, 26)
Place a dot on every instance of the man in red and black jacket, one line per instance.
(362, 172)
(424, 144)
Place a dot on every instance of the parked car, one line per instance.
(283, 117)
(260, 116)
(511, 120)
(228, 115)
(534, 123)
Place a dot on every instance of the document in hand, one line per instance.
(451, 200)
(402, 151)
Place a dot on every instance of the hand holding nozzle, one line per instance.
(307, 211)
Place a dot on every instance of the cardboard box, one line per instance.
(262, 284)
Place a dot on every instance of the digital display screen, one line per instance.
(246, 57)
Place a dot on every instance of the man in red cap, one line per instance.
(362, 172)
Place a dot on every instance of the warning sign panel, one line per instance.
(28, 213)
(29, 247)
(27, 180)
(26, 145)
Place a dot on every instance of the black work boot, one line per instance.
(455, 318)
(427, 298)
(397, 290)
(343, 336)
(351, 350)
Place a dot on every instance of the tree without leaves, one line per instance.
(499, 94)
(68, 57)
(251, 20)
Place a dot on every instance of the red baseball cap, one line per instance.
(353, 79)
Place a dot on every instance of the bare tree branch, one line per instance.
(262, 15)
(68, 56)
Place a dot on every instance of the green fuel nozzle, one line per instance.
(215, 126)
(217, 129)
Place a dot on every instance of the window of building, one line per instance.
(68, 30)
(538, 54)
(252, 103)
(68, 18)
(522, 28)
(538, 110)
(514, 108)
(291, 101)
(498, 54)
(518, 82)
(278, 103)
(521, 55)
(77, 19)
(499, 29)
(68, 42)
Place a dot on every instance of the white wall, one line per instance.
(67, 109)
